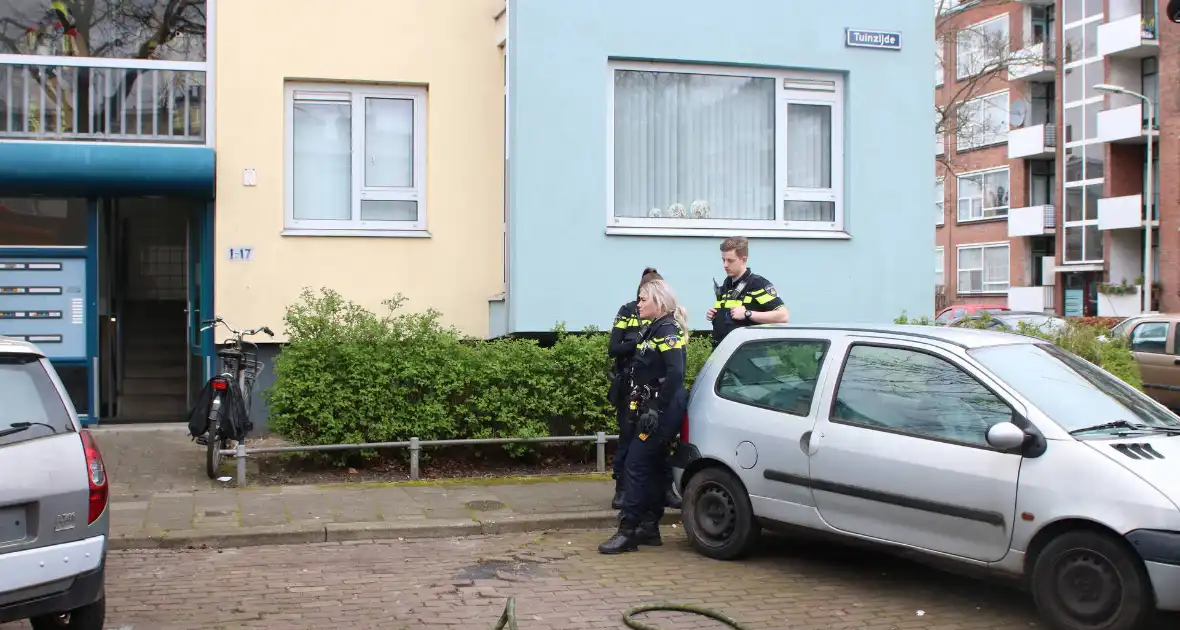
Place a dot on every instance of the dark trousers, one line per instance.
(626, 432)
(647, 469)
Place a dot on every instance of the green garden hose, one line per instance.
(508, 619)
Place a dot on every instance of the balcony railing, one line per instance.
(103, 100)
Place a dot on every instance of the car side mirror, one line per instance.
(1006, 436)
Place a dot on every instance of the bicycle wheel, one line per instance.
(213, 448)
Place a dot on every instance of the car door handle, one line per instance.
(1175, 361)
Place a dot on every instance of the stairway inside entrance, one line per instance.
(154, 356)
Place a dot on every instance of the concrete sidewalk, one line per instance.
(160, 497)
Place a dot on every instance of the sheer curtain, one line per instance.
(694, 146)
(322, 148)
(809, 160)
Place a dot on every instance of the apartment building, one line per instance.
(1043, 163)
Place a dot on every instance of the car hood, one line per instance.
(1154, 459)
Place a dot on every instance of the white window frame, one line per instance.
(962, 73)
(939, 266)
(981, 173)
(940, 204)
(939, 62)
(963, 144)
(982, 247)
(355, 94)
(792, 87)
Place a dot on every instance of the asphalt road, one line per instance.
(558, 580)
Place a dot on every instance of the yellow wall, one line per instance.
(450, 46)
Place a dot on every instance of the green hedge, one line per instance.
(1088, 340)
(349, 375)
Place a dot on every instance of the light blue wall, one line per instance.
(563, 265)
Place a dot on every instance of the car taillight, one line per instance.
(684, 429)
(96, 476)
(220, 384)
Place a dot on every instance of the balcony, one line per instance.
(1032, 221)
(103, 100)
(1031, 299)
(1033, 63)
(1036, 142)
(1120, 305)
(1124, 125)
(1121, 213)
(1133, 36)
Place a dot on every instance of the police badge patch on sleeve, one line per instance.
(770, 290)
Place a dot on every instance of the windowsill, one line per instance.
(984, 294)
(943, 224)
(992, 145)
(983, 220)
(726, 232)
(357, 233)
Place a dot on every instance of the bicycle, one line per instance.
(239, 371)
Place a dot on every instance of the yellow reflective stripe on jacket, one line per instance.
(757, 292)
(727, 303)
(633, 322)
(763, 299)
(663, 345)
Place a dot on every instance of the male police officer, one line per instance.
(745, 298)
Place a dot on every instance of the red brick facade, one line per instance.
(1169, 165)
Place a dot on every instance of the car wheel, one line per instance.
(717, 515)
(1085, 580)
(88, 617)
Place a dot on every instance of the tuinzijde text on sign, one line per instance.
(884, 40)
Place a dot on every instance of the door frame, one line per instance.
(199, 269)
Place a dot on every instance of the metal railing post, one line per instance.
(415, 448)
(240, 455)
(601, 443)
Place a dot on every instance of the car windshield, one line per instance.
(32, 407)
(1070, 390)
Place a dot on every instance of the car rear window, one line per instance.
(29, 396)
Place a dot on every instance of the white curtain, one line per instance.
(995, 269)
(322, 174)
(689, 140)
(809, 160)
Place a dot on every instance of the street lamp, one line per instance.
(1147, 259)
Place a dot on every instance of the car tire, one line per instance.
(89, 617)
(1086, 580)
(718, 518)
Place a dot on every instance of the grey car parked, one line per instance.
(53, 500)
(987, 449)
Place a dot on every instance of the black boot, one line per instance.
(623, 541)
(648, 534)
(671, 501)
(617, 502)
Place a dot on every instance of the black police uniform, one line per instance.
(624, 335)
(751, 291)
(657, 380)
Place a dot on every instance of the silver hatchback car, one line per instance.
(53, 500)
(988, 449)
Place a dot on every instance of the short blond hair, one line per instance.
(662, 295)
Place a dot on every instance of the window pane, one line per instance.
(809, 146)
(1094, 192)
(971, 258)
(1095, 73)
(1073, 204)
(995, 189)
(995, 268)
(1073, 123)
(1074, 87)
(1094, 243)
(1095, 161)
(1150, 337)
(809, 211)
(781, 375)
(1073, 164)
(1091, 48)
(118, 29)
(42, 221)
(29, 395)
(689, 140)
(1091, 122)
(1071, 11)
(322, 148)
(389, 210)
(1073, 244)
(389, 142)
(1093, 7)
(915, 393)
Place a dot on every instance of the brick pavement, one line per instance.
(161, 497)
(558, 579)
